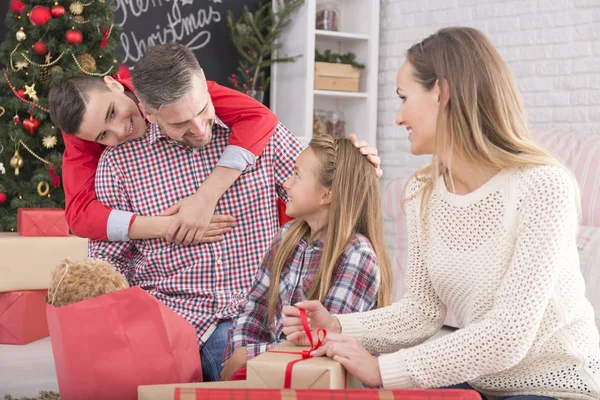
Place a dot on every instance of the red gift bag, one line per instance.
(105, 347)
(23, 316)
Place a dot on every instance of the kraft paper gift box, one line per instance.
(26, 263)
(42, 222)
(23, 316)
(268, 370)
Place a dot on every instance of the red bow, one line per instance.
(321, 335)
(55, 179)
(105, 38)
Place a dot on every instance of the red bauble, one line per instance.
(16, 119)
(16, 6)
(21, 93)
(73, 36)
(39, 15)
(58, 11)
(31, 125)
(3, 198)
(40, 48)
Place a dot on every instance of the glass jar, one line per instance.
(336, 126)
(319, 122)
(328, 15)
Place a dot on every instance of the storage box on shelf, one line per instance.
(297, 88)
(332, 76)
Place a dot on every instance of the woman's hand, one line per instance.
(318, 317)
(352, 355)
(370, 152)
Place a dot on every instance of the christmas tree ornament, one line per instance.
(16, 6)
(48, 58)
(49, 141)
(55, 178)
(43, 188)
(21, 93)
(39, 15)
(31, 125)
(30, 91)
(76, 8)
(40, 48)
(3, 196)
(56, 70)
(87, 62)
(2, 169)
(73, 36)
(58, 10)
(16, 119)
(79, 19)
(20, 65)
(20, 35)
(17, 162)
(44, 76)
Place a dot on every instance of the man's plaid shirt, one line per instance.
(354, 288)
(206, 282)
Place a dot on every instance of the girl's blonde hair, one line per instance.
(483, 120)
(355, 208)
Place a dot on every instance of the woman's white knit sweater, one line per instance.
(504, 260)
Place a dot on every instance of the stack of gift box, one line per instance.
(27, 258)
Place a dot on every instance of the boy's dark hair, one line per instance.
(68, 98)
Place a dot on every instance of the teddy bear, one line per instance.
(81, 280)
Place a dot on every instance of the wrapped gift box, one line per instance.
(167, 392)
(42, 222)
(334, 76)
(23, 316)
(26, 263)
(268, 370)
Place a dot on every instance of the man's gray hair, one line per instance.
(163, 76)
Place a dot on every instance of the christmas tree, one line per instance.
(44, 40)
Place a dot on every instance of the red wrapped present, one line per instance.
(107, 346)
(42, 222)
(304, 394)
(23, 316)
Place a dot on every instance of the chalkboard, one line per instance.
(200, 25)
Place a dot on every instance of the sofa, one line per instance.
(581, 154)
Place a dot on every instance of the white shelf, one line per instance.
(340, 94)
(340, 35)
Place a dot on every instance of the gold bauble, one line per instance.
(76, 8)
(79, 19)
(87, 62)
(17, 162)
(56, 70)
(21, 35)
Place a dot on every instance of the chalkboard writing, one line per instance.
(198, 24)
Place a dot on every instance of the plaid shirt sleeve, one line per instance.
(248, 329)
(110, 191)
(287, 150)
(356, 281)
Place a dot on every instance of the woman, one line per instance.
(492, 225)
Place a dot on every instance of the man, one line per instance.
(204, 283)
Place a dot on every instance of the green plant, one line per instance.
(347, 58)
(255, 36)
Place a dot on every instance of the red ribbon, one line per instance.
(55, 179)
(106, 34)
(321, 335)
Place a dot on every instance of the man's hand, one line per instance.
(235, 362)
(370, 152)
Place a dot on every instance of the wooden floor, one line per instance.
(25, 370)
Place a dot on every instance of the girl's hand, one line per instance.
(318, 317)
(235, 362)
(352, 355)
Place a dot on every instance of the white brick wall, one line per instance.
(551, 46)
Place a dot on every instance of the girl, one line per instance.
(334, 250)
(492, 225)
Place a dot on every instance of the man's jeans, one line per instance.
(211, 353)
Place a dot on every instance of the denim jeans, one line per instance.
(211, 353)
(522, 397)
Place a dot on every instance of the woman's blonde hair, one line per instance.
(355, 209)
(483, 119)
